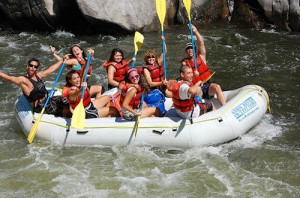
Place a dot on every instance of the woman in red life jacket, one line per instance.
(116, 67)
(154, 71)
(76, 60)
(93, 109)
(202, 72)
(184, 93)
(131, 93)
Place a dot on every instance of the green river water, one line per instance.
(265, 162)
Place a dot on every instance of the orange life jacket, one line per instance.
(182, 105)
(121, 69)
(73, 104)
(135, 102)
(156, 72)
(203, 69)
(82, 62)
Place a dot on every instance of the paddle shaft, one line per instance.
(164, 55)
(133, 62)
(85, 75)
(139, 117)
(193, 44)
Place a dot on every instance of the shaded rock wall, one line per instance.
(126, 16)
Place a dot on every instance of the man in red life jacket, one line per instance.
(201, 71)
(185, 94)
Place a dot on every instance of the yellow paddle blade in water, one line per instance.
(161, 11)
(35, 127)
(137, 126)
(78, 118)
(187, 5)
(138, 41)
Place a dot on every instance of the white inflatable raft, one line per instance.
(245, 108)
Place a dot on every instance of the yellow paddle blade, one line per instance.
(161, 12)
(137, 126)
(138, 41)
(78, 118)
(209, 77)
(187, 5)
(35, 127)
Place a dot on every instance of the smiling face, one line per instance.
(118, 57)
(189, 52)
(150, 59)
(186, 73)
(134, 77)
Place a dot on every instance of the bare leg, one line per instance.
(216, 89)
(101, 101)
(150, 111)
(108, 112)
(96, 90)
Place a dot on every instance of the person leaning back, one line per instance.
(34, 88)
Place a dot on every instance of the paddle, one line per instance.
(209, 77)
(138, 42)
(139, 117)
(36, 124)
(187, 5)
(161, 12)
(78, 117)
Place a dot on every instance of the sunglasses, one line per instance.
(150, 56)
(134, 77)
(34, 66)
(188, 48)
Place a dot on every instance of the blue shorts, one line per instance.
(205, 90)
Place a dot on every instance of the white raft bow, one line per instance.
(245, 108)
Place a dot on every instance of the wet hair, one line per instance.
(33, 59)
(69, 77)
(76, 45)
(113, 52)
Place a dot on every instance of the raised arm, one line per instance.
(161, 57)
(53, 51)
(50, 70)
(200, 42)
(13, 79)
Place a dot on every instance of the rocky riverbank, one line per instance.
(126, 16)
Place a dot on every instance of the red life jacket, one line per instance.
(73, 104)
(156, 72)
(82, 62)
(182, 105)
(203, 69)
(135, 102)
(121, 69)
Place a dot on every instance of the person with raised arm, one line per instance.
(201, 70)
(33, 87)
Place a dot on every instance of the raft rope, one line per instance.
(254, 88)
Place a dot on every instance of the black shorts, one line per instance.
(91, 111)
(56, 106)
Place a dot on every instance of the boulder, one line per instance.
(285, 14)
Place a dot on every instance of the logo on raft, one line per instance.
(245, 109)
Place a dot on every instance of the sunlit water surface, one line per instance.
(262, 163)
